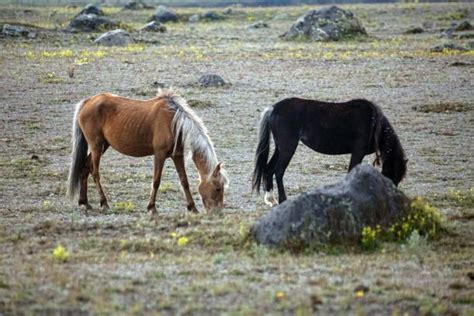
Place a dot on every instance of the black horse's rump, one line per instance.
(357, 127)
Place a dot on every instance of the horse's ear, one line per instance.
(217, 170)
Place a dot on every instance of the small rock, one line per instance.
(228, 11)
(158, 84)
(34, 157)
(414, 30)
(137, 5)
(447, 46)
(212, 16)
(470, 275)
(194, 18)
(163, 14)
(114, 38)
(361, 287)
(90, 22)
(463, 26)
(15, 31)
(211, 80)
(91, 9)
(154, 26)
(258, 25)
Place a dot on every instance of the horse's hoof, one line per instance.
(105, 207)
(270, 199)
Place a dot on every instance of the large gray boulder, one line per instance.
(114, 38)
(90, 22)
(334, 213)
(164, 14)
(327, 24)
(211, 80)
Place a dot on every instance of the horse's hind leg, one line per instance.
(183, 178)
(269, 197)
(83, 201)
(284, 158)
(157, 170)
(96, 153)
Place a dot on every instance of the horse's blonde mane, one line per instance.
(187, 125)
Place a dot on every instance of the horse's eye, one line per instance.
(218, 189)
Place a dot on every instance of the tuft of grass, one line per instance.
(463, 199)
(52, 77)
(443, 107)
(124, 206)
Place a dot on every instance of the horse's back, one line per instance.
(132, 127)
(326, 127)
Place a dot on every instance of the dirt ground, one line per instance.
(120, 262)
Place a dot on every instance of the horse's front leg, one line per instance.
(356, 158)
(183, 178)
(157, 170)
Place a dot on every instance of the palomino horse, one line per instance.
(356, 127)
(163, 127)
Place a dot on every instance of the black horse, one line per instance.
(356, 127)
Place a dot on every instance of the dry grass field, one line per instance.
(121, 262)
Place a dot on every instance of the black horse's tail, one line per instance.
(376, 134)
(78, 154)
(263, 149)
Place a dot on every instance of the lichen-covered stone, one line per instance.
(334, 213)
(327, 24)
(90, 22)
(211, 80)
(114, 38)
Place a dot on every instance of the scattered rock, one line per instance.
(211, 16)
(447, 46)
(194, 18)
(414, 30)
(228, 11)
(362, 288)
(258, 25)
(137, 5)
(164, 14)
(211, 80)
(466, 35)
(90, 22)
(154, 26)
(17, 31)
(114, 38)
(327, 24)
(34, 157)
(470, 45)
(463, 26)
(91, 9)
(470, 275)
(334, 213)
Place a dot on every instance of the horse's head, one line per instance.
(395, 168)
(212, 190)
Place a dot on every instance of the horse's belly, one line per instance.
(134, 150)
(328, 147)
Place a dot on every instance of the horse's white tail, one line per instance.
(78, 154)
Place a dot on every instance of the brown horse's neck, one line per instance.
(202, 165)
